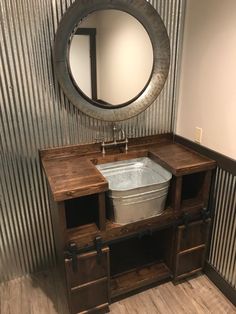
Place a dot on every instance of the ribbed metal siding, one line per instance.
(223, 243)
(35, 114)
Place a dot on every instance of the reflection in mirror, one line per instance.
(111, 57)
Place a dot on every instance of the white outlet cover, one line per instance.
(198, 135)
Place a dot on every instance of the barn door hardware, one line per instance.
(71, 253)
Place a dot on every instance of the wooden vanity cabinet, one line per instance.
(88, 282)
(190, 248)
(190, 192)
(140, 261)
(128, 257)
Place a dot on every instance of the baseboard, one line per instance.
(221, 283)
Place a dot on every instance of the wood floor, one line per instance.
(40, 294)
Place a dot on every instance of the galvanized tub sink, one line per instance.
(137, 189)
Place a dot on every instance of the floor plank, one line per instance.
(41, 294)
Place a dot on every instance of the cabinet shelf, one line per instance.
(138, 278)
(84, 235)
(192, 205)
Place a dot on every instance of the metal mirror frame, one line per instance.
(145, 13)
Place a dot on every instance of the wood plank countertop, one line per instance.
(71, 170)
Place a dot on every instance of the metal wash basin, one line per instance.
(137, 189)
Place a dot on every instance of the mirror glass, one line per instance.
(110, 57)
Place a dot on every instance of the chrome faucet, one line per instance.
(116, 141)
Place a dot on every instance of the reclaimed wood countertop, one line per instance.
(71, 171)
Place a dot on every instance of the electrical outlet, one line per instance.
(198, 135)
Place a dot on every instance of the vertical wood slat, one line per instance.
(177, 192)
(102, 211)
(204, 193)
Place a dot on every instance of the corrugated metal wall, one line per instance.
(35, 114)
(223, 243)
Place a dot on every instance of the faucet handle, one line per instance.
(99, 139)
(131, 134)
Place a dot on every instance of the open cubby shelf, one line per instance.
(135, 252)
(192, 185)
(81, 211)
(143, 263)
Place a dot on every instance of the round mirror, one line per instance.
(111, 57)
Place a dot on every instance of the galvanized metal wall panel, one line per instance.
(35, 114)
(223, 243)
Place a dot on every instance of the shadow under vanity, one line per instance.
(103, 260)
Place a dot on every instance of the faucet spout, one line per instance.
(116, 132)
(116, 139)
